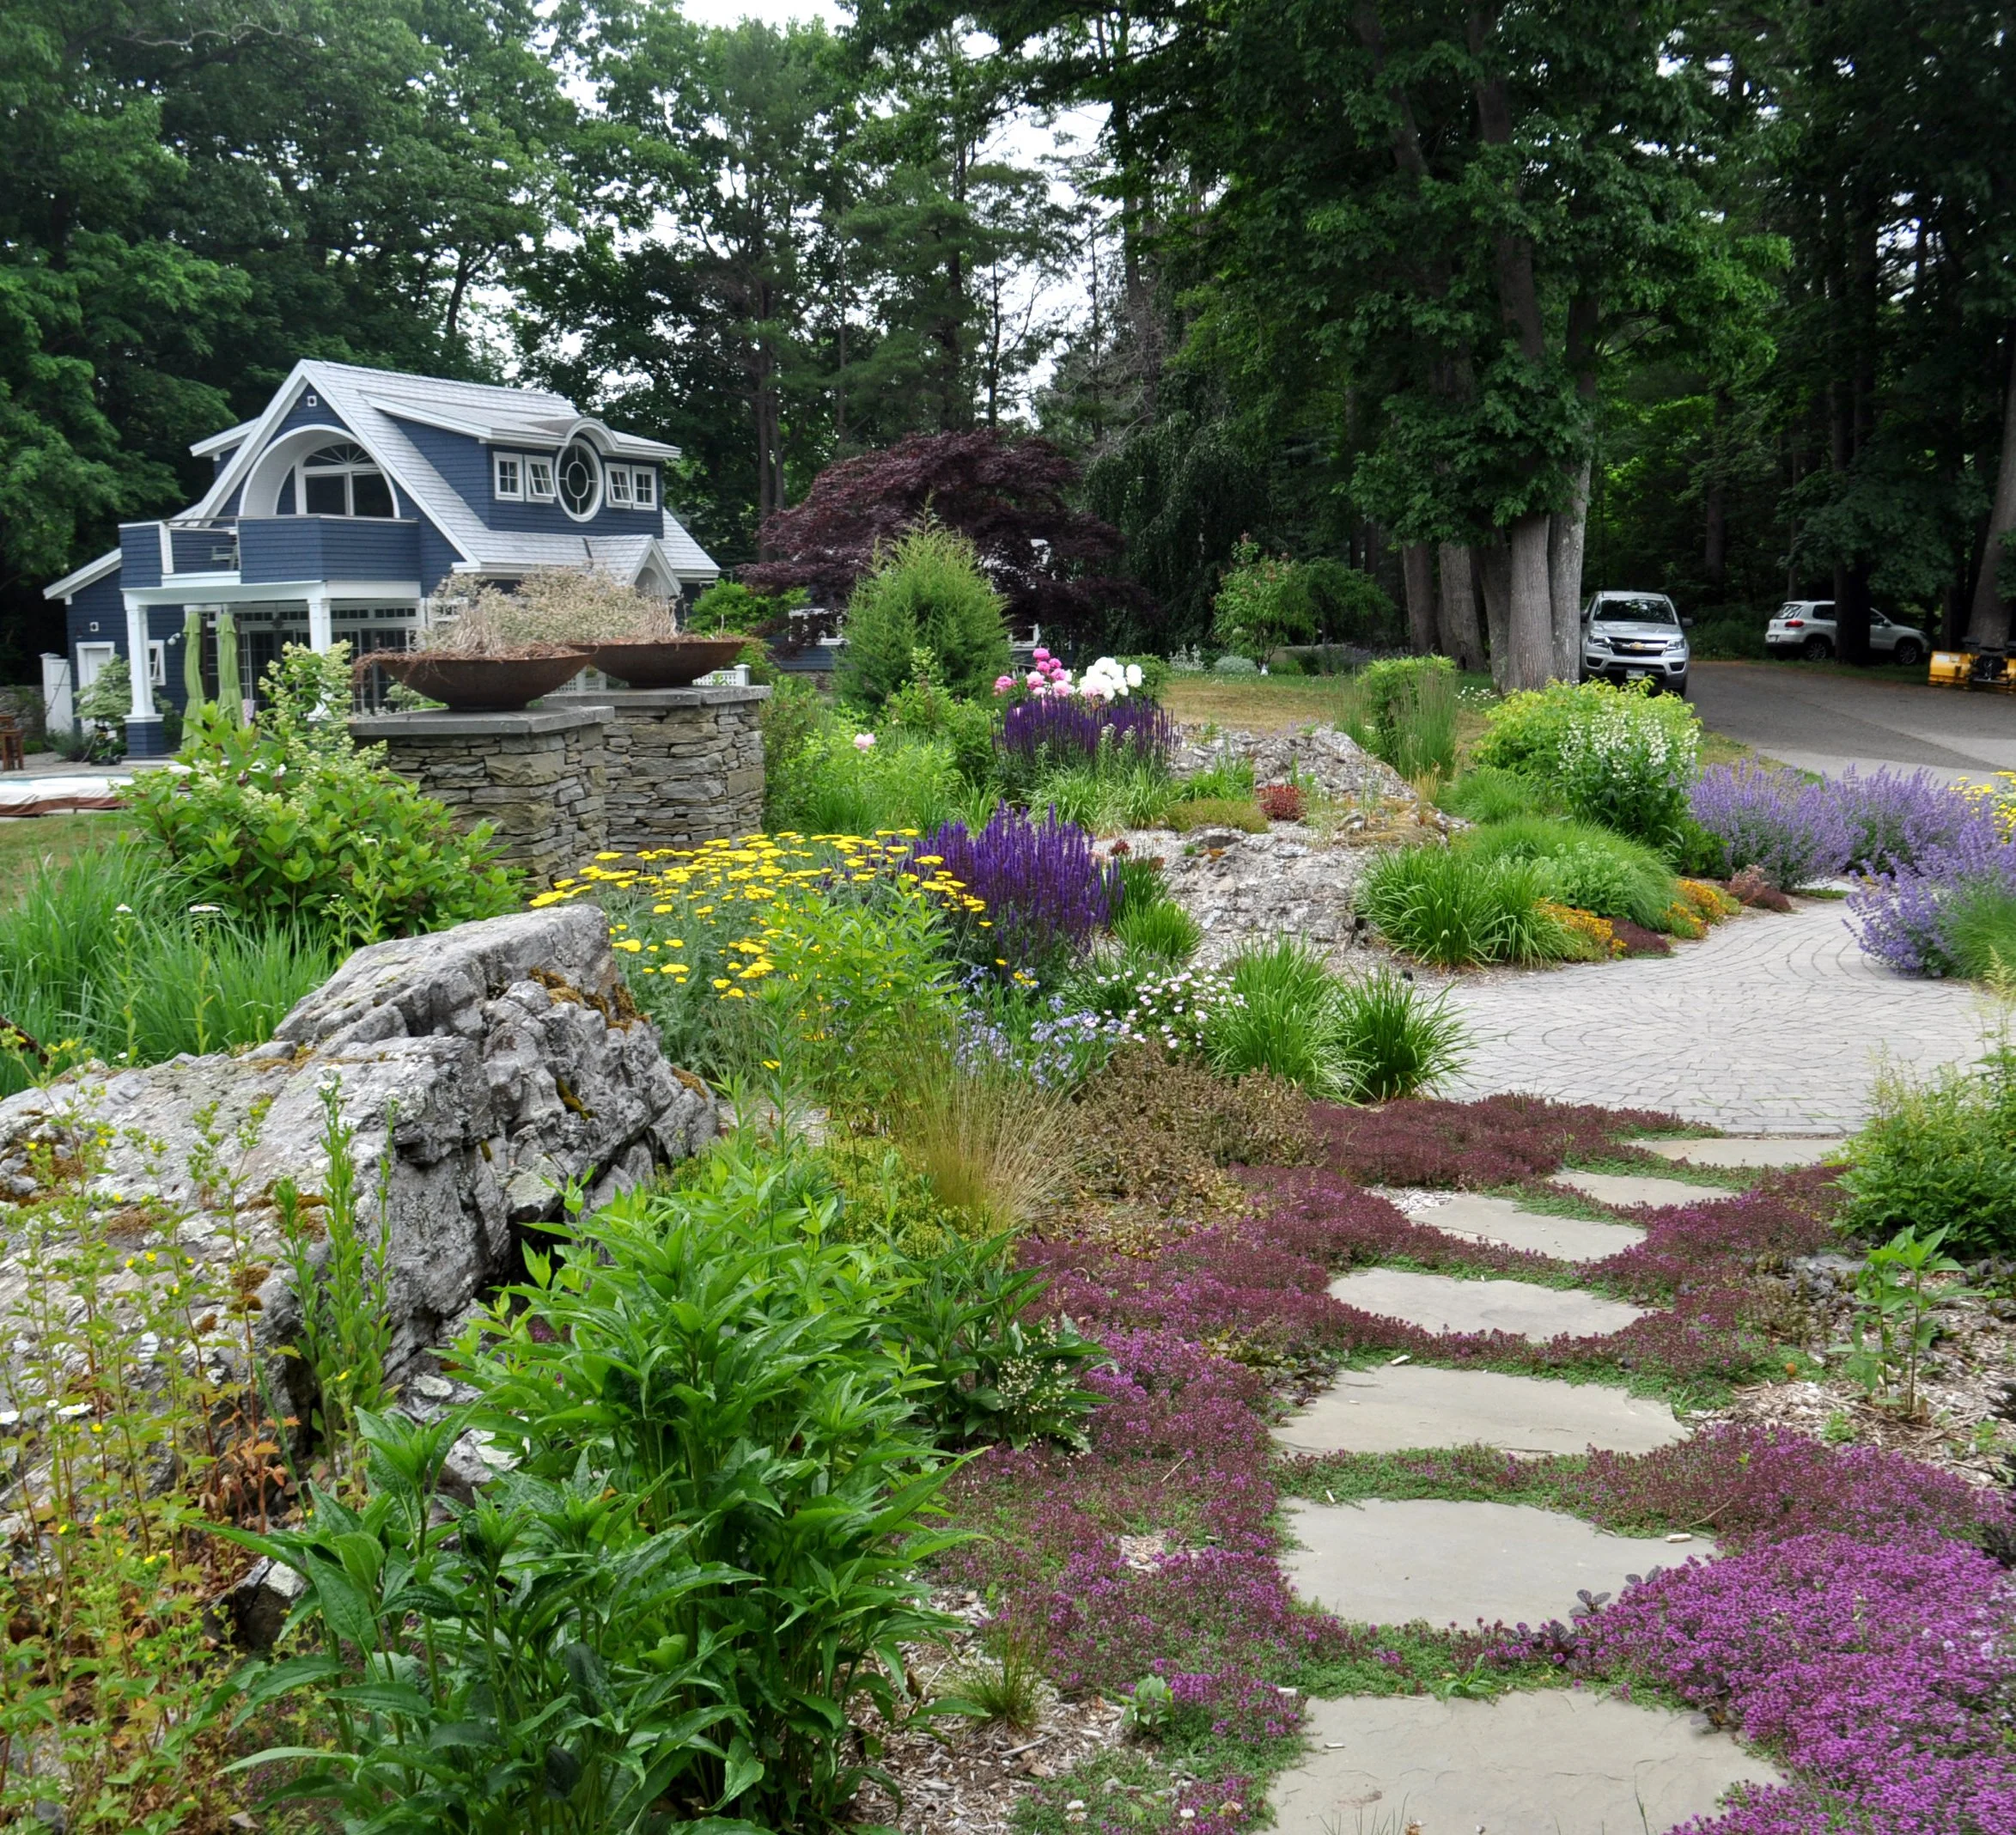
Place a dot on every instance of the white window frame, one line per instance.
(539, 479)
(644, 495)
(157, 661)
(616, 479)
(507, 477)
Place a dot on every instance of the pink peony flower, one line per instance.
(864, 741)
(1041, 656)
(1003, 683)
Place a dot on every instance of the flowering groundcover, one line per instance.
(1853, 1627)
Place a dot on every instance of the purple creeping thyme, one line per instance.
(1060, 732)
(1882, 1671)
(1789, 827)
(1044, 890)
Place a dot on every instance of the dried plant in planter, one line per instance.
(551, 610)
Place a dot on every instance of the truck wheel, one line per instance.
(1817, 650)
(1907, 654)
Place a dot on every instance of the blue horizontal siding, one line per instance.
(328, 548)
(465, 465)
(140, 554)
(203, 550)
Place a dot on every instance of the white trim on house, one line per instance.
(218, 443)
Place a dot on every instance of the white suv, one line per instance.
(1805, 627)
(1635, 636)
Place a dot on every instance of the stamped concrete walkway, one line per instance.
(1771, 1024)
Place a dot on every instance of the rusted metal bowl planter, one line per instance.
(483, 685)
(677, 664)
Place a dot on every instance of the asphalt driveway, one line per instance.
(1824, 720)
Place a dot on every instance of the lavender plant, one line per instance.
(1906, 917)
(1053, 733)
(1790, 828)
(1893, 821)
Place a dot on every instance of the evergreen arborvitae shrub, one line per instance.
(925, 593)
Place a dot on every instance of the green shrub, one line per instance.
(1623, 757)
(1351, 607)
(1445, 905)
(832, 786)
(922, 710)
(1594, 868)
(1213, 812)
(1162, 930)
(711, 1541)
(1940, 1155)
(1409, 704)
(1492, 793)
(285, 821)
(927, 593)
(1262, 603)
(789, 720)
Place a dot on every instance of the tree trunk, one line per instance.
(1714, 501)
(1418, 567)
(1567, 534)
(1458, 608)
(1530, 606)
(1987, 625)
(1494, 569)
(1851, 612)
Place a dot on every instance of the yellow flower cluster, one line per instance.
(1698, 905)
(1996, 796)
(712, 881)
(1592, 936)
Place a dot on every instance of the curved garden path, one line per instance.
(1772, 1023)
(1542, 1759)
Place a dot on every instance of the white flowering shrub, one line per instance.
(1623, 757)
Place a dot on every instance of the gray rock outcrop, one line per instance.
(488, 1068)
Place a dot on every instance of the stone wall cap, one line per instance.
(439, 723)
(645, 699)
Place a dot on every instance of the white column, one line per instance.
(138, 660)
(321, 627)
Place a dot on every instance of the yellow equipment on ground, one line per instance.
(1964, 669)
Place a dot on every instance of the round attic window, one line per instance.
(578, 477)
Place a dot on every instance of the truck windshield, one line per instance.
(1634, 612)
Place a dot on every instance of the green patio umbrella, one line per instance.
(192, 662)
(230, 691)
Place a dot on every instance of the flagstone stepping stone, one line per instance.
(1438, 1302)
(1639, 1188)
(1393, 1562)
(1539, 1762)
(1757, 1149)
(1499, 1220)
(1415, 1404)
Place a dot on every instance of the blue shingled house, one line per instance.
(335, 513)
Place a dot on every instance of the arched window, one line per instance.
(343, 479)
(580, 476)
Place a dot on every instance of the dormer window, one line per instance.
(508, 471)
(538, 480)
(344, 480)
(647, 487)
(619, 497)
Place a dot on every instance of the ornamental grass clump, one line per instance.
(1789, 827)
(1045, 893)
(1445, 905)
